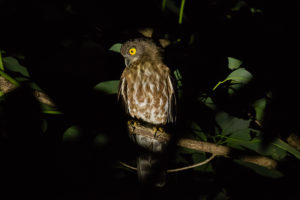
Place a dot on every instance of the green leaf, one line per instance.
(116, 47)
(1, 62)
(13, 65)
(283, 145)
(21, 79)
(242, 134)
(271, 173)
(271, 150)
(241, 139)
(237, 135)
(35, 87)
(233, 63)
(230, 124)
(198, 131)
(181, 11)
(209, 103)
(259, 107)
(239, 78)
(240, 75)
(276, 150)
(49, 109)
(108, 87)
(178, 78)
(163, 5)
(276, 153)
(72, 133)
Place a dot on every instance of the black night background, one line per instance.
(236, 66)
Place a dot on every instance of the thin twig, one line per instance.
(177, 169)
(128, 166)
(192, 166)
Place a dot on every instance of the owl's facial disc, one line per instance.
(130, 55)
(131, 51)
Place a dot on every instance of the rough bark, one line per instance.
(201, 146)
(6, 86)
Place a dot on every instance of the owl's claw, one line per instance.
(155, 129)
(133, 123)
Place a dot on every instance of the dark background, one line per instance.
(65, 45)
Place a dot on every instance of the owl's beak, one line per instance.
(127, 61)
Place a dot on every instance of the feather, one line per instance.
(171, 100)
(122, 93)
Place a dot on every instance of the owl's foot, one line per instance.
(133, 123)
(156, 129)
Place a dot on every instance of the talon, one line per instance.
(133, 122)
(155, 131)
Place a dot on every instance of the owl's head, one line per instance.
(138, 49)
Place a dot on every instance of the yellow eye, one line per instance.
(132, 51)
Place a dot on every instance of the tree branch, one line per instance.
(215, 149)
(6, 86)
(294, 141)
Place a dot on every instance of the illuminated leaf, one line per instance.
(230, 124)
(116, 47)
(271, 173)
(71, 133)
(13, 65)
(108, 87)
(259, 106)
(239, 78)
(233, 63)
(283, 145)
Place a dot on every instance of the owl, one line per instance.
(146, 87)
(147, 92)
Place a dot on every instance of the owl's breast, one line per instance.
(147, 96)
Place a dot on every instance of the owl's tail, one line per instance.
(151, 170)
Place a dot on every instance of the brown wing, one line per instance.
(171, 99)
(122, 93)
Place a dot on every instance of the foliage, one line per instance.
(219, 88)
